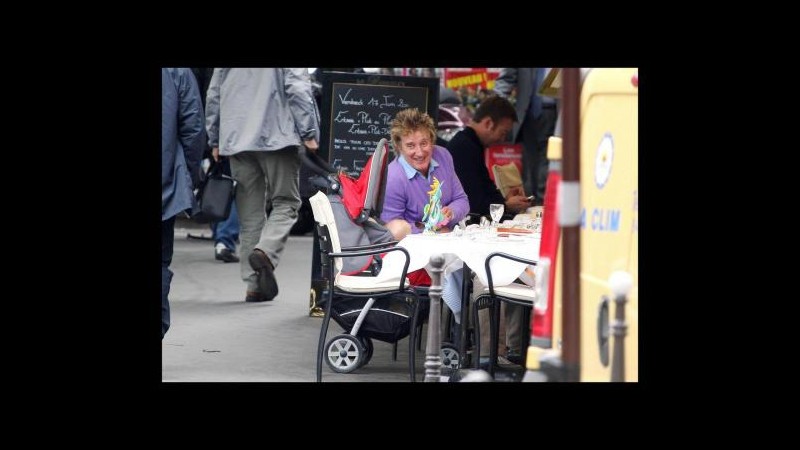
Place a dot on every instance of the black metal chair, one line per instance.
(491, 297)
(347, 352)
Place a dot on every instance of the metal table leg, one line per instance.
(461, 329)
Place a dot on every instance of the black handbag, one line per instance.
(215, 195)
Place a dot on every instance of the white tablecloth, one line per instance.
(472, 249)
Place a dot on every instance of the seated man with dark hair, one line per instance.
(492, 122)
(490, 125)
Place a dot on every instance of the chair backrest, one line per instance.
(323, 215)
(506, 176)
(361, 196)
(488, 269)
(338, 231)
(376, 175)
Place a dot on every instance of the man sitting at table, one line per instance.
(490, 125)
(421, 172)
(420, 169)
(413, 174)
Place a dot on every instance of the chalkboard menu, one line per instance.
(357, 112)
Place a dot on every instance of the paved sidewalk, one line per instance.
(216, 336)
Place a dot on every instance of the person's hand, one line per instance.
(311, 145)
(518, 203)
(399, 228)
(447, 213)
(516, 190)
(215, 153)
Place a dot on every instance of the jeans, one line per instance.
(167, 245)
(227, 231)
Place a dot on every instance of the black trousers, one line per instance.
(167, 245)
(534, 135)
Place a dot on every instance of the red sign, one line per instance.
(503, 154)
(455, 77)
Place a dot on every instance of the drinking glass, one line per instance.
(525, 221)
(496, 211)
(484, 222)
(537, 219)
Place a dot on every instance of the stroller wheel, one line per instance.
(368, 347)
(451, 359)
(344, 353)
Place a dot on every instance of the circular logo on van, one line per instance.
(603, 160)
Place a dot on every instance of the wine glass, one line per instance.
(496, 211)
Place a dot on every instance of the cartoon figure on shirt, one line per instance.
(432, 213)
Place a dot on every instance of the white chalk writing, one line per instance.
(342, 117)
(363, 117)
(369, 129)
(345, 101)
(362, 114)
(386, 101)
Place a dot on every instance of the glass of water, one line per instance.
(496, 211)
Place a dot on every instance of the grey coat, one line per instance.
(523, 78)
(261, 109)
(182, 138)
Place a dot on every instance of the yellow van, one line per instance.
(609, 235)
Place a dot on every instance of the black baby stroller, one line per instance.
(351, 241)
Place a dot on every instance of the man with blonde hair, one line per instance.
(412, 174)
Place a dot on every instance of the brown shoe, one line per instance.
(267, 283)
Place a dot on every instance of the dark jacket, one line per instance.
(468, 160)
(203, 77)
(524, 79)
(182, 140)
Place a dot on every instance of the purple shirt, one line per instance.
(407, 190)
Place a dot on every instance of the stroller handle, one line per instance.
(326, 175)
(316, 164)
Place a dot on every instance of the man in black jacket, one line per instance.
(491, 123)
